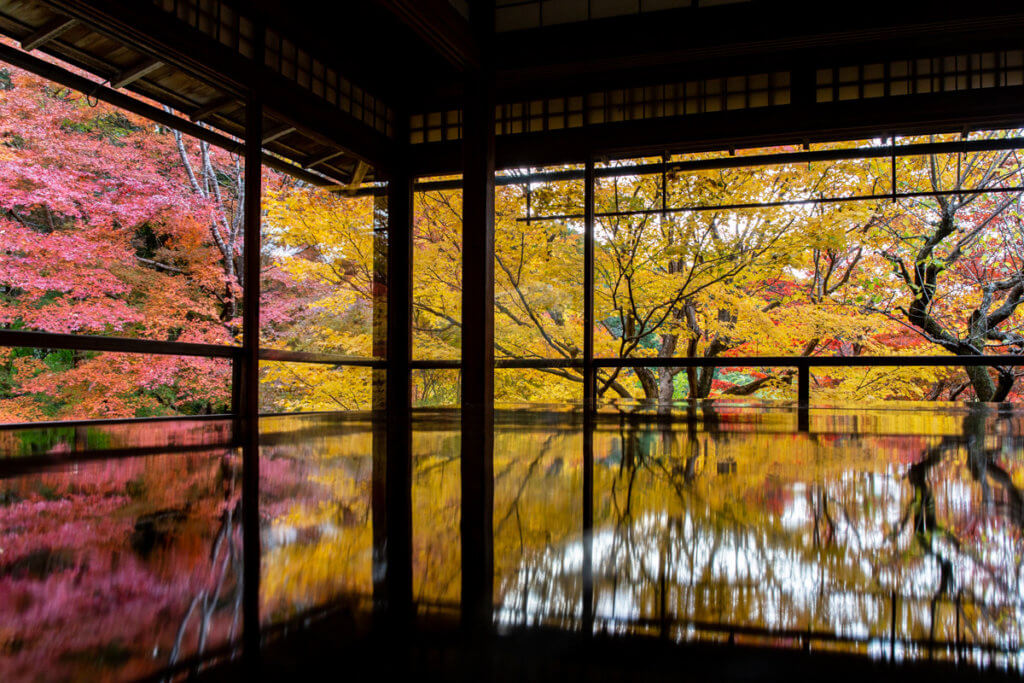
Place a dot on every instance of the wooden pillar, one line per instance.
(589, 398)
(803, 393)
(477, 461)
(392, 476)
(589, 379)
(250, 377)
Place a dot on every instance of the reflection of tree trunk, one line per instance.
(925, 524)
(983, 465)
(225, 563)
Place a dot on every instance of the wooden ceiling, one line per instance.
(346, 84)
(203, 80)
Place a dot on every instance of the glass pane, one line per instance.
(782, 182)
(830, 278)
(52, 384)
(313, 387)
(437, 275)
(439, 388)
(538, 268)
(551, 386)
(111, 225)
(904, 383)
(325, 289)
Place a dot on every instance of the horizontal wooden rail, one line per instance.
(812, 361)
(739, 361)
(85, 342)
(773, 159)
(285, 356)
(435, 364)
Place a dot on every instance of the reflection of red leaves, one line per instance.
(73, 581)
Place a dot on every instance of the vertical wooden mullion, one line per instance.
(249, 418)
(392, 505)
(477, 381)
(589, 398)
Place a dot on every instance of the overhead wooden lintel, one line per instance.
(134, 73)
(47, 32)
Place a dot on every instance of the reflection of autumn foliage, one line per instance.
(779, 531)
(100, 566)
(315, 506)
(723, 516)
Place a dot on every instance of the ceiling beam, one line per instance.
(635, 49)
(150, 30)
(441, 27)
(52, 72)
(277, 133)
(134, 73)
(992, 108)
(310, 163)
(217, 106)
(47, 32)
(357, 177)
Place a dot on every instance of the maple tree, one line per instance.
(101, 236)
(958, 260)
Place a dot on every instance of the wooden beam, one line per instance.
(217, 106)
(148, 29)
(247, 416)
(277, 133)
(134, 73)
(47, 32)
(745, 128)
(392, 520)
(357, 177)
(316, 161)
(13, 55)
(477, 455)
(441, 27)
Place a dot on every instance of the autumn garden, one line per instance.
(113, 225)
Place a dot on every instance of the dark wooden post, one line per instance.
(250, 377)
(392, 485)
(803, 396)
(477, 462)
(589, 399)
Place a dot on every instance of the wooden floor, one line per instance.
(335, 650)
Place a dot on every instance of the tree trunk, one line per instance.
(649, 383)
(981, 380)
(666, 385)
